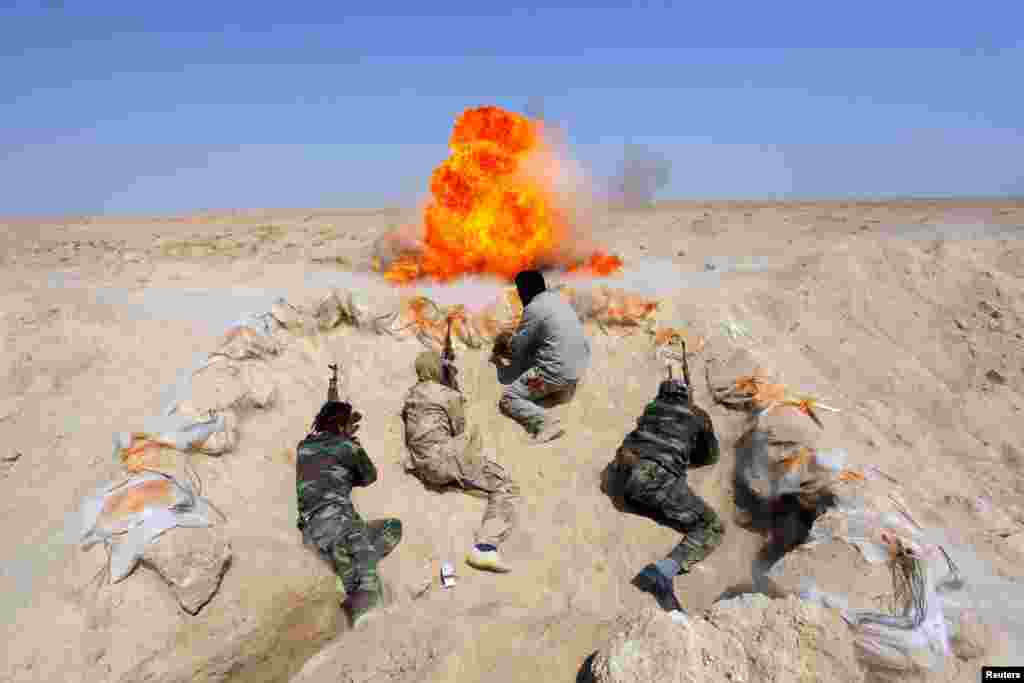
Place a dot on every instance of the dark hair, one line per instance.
(331, 414)
(529, 283)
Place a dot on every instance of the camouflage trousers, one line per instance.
(354, 547)
(519, 400)
(655, 489)
(459, 462)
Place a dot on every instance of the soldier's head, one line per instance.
(529, 283)
(674, 391)
(428, 367)
(333, 417)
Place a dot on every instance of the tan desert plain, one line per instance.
(904, 315)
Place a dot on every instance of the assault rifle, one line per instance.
(686, 369)
(448, 360)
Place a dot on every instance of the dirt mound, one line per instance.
(747, 638)
(915, 343)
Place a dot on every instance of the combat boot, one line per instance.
(361, 606)
(653, 581)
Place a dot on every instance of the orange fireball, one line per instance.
(490, 213)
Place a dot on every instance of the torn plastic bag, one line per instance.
(850, 521)
(186, 433)
(249, 338)
(809, 592)
(128, 515)
(916, 637)
(135, 450)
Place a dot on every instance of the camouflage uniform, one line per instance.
(442, 452)
(327, 468)
(551, 352)
(671, 436)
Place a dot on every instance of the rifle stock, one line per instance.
(686, 369)
(332, 388)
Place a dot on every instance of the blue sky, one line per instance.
(124, 107)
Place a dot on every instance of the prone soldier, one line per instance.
(672, 435)
(330, 462)
(442, 452)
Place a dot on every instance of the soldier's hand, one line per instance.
(626, 457)
(353, 425)
(501, 342)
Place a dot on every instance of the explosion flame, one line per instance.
(493, 207)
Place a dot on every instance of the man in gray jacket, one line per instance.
(549, 352)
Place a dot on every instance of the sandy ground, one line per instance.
(906, 316)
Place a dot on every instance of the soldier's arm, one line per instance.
(456, 409)
(707, 443)
(364, 469)
(526, 336)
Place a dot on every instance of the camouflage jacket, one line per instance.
(673, 433)
(433, 414)
(326, 468)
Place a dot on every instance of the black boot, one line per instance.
(651, 580)
(361, 605)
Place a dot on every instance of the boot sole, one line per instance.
(489, 568)
(664, 596)
(548, 439)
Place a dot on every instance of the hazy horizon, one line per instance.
(129, 110)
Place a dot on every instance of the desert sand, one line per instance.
(906, 316)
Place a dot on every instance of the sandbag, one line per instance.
(668, 351)
(295, 319)
(222, 385)
(776, 455)
(501, 315)
(128, 514)
(336, 308)
(916, 637)
(162, 450)
(625, 311)
(741, 381)
(251, 338)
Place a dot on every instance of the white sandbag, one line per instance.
(128, 534)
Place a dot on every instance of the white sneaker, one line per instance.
(550, 431)
(486, 560)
